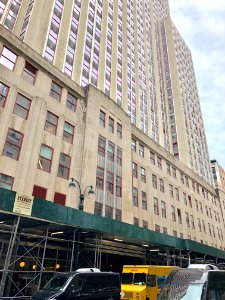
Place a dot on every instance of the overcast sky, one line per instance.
(202, 25)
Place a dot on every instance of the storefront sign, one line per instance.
(23, 204)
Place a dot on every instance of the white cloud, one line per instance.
(202, 25)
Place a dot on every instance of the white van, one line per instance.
(194, 284)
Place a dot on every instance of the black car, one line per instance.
(82, 285)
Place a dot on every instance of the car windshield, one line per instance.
(56, 283)
(182, 292)
(127, 278)
(140, 278)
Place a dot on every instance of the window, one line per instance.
(133, 145)
(196, 204)
(136, 221)
(179, 216)
(164, 230)
(171, 190)
(100, 178)
(168, 168)
(108, 212)
(118, 186)
(141, 150)
(185, 198)
(186, 181)
(175, 233)
(118, 215)
(60, 198)
(189, 200)
(6, 182)
(68, 132)
(161, 185)
(174, 172)
(177, 194)
(145, 224)
(163, 209)
(157, 228)
(173, 215)
(159, 162)
(156, 206)
(101, 146)
(111, 125)
(22, 106)
(119, 131)
(152, 157)
(102, 119)
(64, 166)
(144, 200)
(13, 144)
(8, 58)
(71, 102)
(135, 196)
(4, 89)
(39, 192)
(134, 170)
(98, 209)
(187, 219)
(51, 122)
(119, 156)
(45, 158)
(200, 205)
(111, 151)
(182, 177)
(109, 182)
(56, 91)
(29, 73)
(154, 181)
(192, 222)
(143, 175)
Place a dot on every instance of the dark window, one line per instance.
(29, 73)
(141, 150)
(118, 186)
(56, 91)
(111, 151)
(60, 198)
(108, 212)
(101, 146)
(68, 132)
(102, 119)
(133, 145)
(119, 156)
(71, 102)
(4, 89)
(135, 196)
(119, 130)
(6, 182)
(143, 175)
(98, 209)
(13, 144)
(22, 106)
(111, 125)
(39, 192)
(100, 178)
(51, 122)
(64, 166)
(109, 182)
(45, 158)
(134, 170)
(8, 58)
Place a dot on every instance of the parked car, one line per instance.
(194, 284)
(84, 284)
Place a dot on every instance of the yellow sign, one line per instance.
(23, 204)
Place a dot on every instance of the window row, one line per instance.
(113, 153)
(111, 124)
(8, 59)
(109, 181)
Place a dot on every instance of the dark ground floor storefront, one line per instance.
(55, 238)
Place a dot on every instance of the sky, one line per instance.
(202, 25)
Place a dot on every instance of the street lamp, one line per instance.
(81, 196)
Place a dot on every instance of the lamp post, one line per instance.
(90, 189)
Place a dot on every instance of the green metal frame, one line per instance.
(53, 212)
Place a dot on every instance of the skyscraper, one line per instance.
(130, 50)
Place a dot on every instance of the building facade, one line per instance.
(218, 175)
(87, 95)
